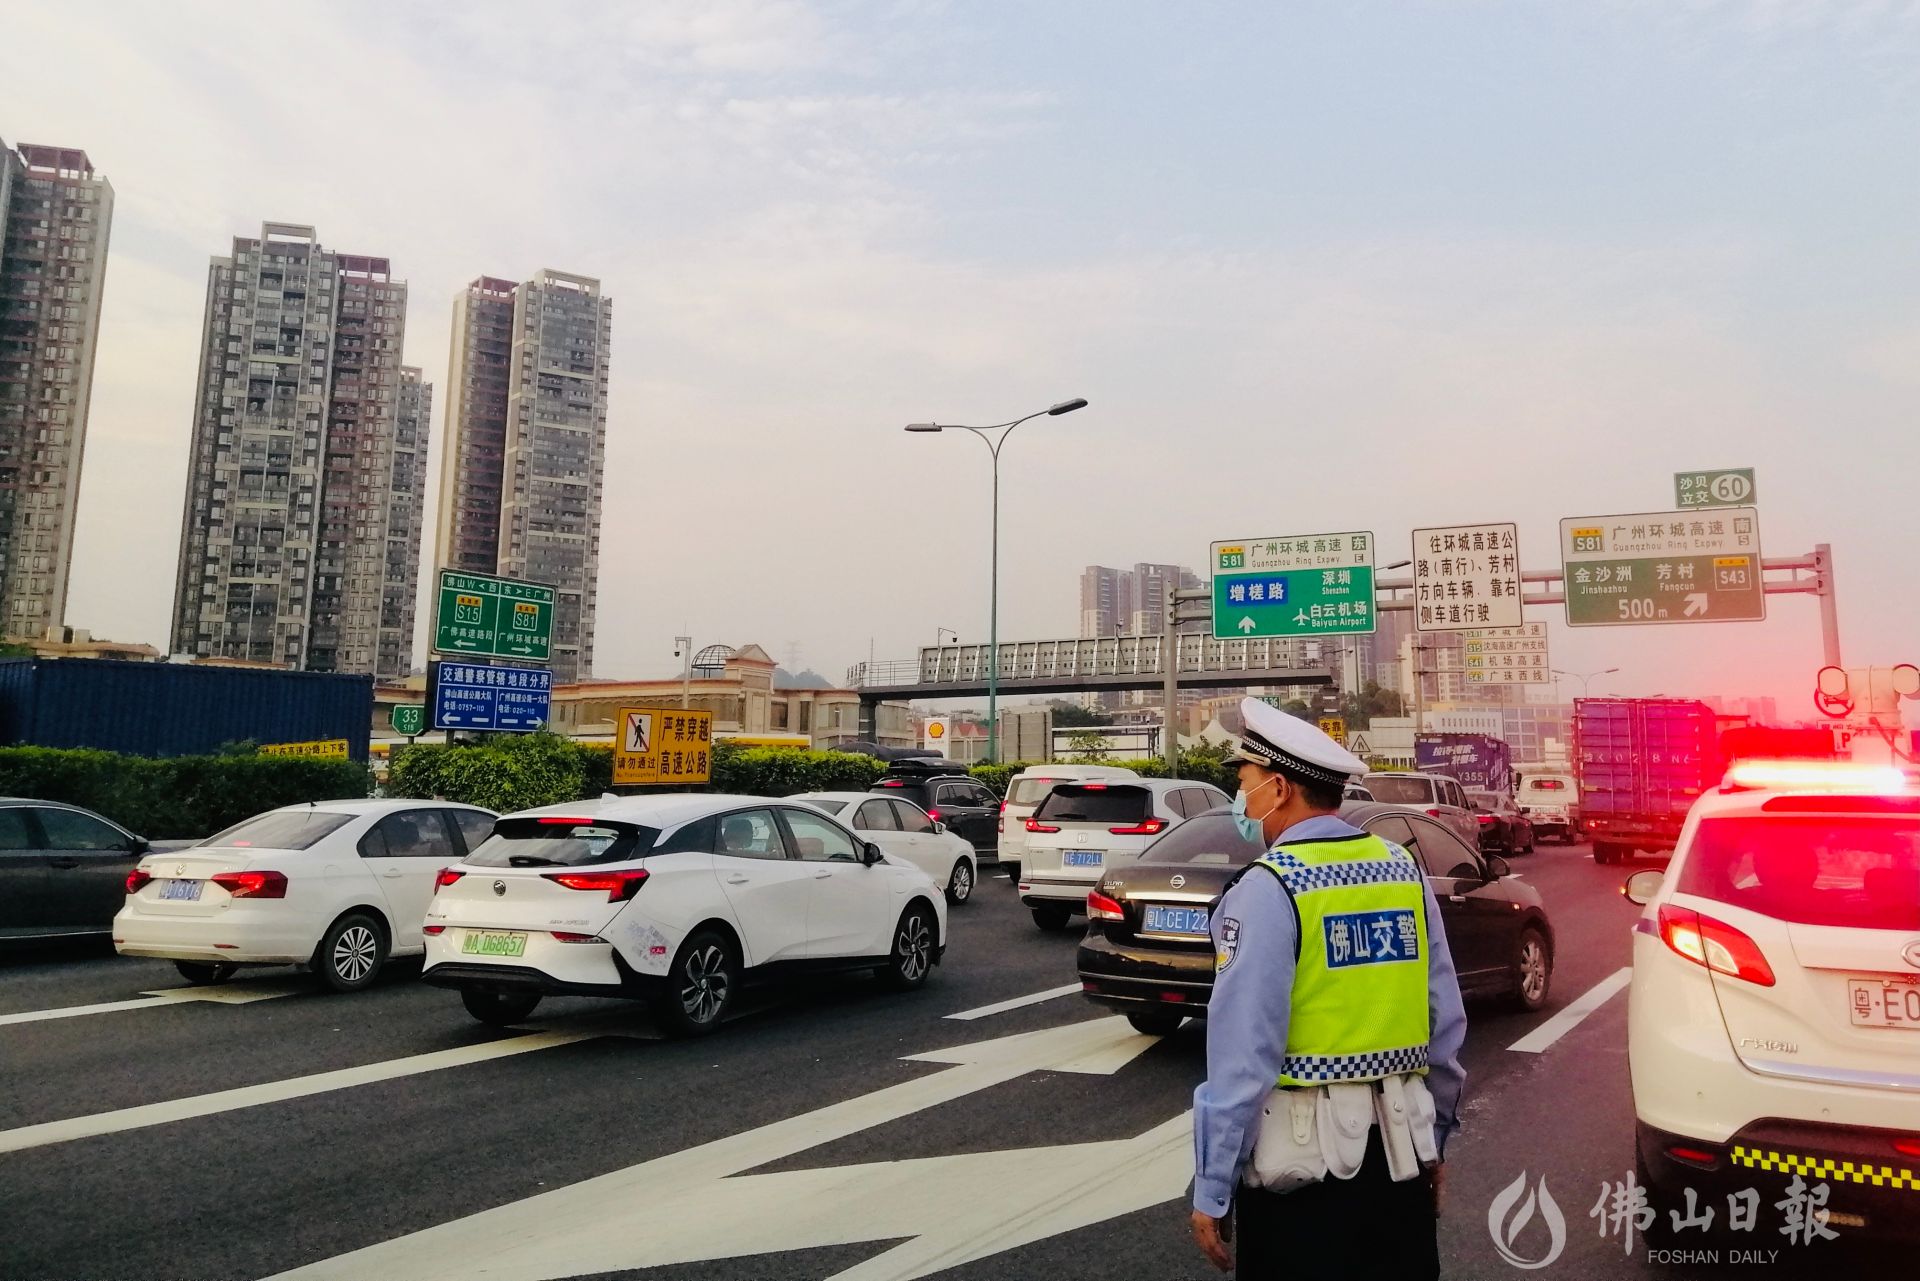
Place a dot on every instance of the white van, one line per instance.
(1552, 801)
(1027, 789)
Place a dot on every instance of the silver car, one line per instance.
(1435, 795)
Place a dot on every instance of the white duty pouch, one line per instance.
(1286, 1152)
(1404, 1109)
(1346, 1115)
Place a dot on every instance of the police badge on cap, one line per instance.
(1286, 743)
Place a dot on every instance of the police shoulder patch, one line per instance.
(1229, 943)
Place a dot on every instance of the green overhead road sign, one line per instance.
(493, 617)
(1297, 585)
(409, 719)
(1727, 487)
(1663, 567)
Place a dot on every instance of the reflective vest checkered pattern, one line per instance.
(1360, 983)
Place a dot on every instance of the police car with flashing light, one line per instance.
(1774, 1015)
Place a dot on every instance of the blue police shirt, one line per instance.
(1247, 1023)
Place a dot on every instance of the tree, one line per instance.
(1358, 707)
(1068, 715)
(1298, 707)
(1087, 745)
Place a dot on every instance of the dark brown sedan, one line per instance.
(1155, 962)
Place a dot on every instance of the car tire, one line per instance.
(960, 883)
(1532, 969)
(351, 953)
(1659, 1234)
(911, 959)
(1013, 872)
(1155, 1023)
(1604, 854)
(498, 1009)
(206, 973)
(1052, 919)
(700, 986)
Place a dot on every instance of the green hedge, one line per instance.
(170, 798)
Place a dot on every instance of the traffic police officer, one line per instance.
(1331, 967)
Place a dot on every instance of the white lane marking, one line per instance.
(1538, 1040)
(244, 994)
(695, 1204)
(1002, 1007)
(134, 1118)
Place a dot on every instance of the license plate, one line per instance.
(1083, 858)
(184, 891)
(493, 943)
(1879, 1003)
(1175, 920)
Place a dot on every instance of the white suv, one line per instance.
(1774, 1017)
(1027, 789)
(1081, 829)
(676, 900)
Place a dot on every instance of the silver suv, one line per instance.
(1435, 794)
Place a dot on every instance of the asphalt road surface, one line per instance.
(832, 1130)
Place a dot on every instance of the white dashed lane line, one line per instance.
(1543, 1037)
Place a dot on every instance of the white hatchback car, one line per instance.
(1081, 829)
(1028, 788)
(337, 886)
(676, 900)
(1774, 1019)
(904, 831)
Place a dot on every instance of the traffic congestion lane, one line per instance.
(369, 1164)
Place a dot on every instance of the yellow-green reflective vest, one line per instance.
(1360, 983)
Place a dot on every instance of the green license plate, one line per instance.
(493, 943)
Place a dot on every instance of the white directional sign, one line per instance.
(1466, 577)
(1506, 655)
(698, 1204)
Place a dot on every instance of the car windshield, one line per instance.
(1400, 789)
(281, 830)
(562, 842)
(1212, 840)
(823, 803)
(1094, 803)
(1858, 872)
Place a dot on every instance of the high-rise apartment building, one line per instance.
(521, 474)
(55, 214)
(1106, 601)
(305, 425)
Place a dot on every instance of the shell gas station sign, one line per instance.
(937, 731)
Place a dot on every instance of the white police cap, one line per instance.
(1276, 740)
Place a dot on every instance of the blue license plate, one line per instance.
(1082, 858)
(187, 891)
(1176, 920)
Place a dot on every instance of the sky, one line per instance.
(1316, 266)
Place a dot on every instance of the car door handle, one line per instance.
(1456, 898)
(392, 874)
(823, 875)
(65, 864)
(737, 879)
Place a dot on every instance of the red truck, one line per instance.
(1642, 762)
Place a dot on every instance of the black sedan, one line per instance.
(1504, 826)
(1147, 952)
(63, 870)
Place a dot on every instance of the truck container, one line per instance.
(177, 709)
(1473, 760)
(1642, 762)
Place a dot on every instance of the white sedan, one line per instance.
(676, 900)
(905, 832)
(338, 886)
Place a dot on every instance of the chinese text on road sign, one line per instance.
(1506, 655)
(1729, 487)
(663, 745)
(493, 617)
(1297, 585)
(1663, 567)
(329, 749)
(472, 696)
(1466, 576)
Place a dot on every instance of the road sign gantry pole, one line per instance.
(1199, 609)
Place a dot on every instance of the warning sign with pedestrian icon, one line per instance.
(639, 732)
(663, 745)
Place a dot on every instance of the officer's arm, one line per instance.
(1246, 1030)
(1447, 1022)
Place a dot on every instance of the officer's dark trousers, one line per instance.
(1356, 1229)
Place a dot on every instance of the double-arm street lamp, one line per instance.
(993, 608)
(1583, 677)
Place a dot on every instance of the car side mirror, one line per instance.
(871, 854)
(938, 828)
(139, 845)
(1498, 868)
(1643, 885)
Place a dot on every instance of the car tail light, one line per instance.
(1102, 908)
(1694, 1156)
(1907, 1147)
(1093, 787)
(253, 884)
(1034, 825)
(934, 815)
(1486, 820)
(448, 875)
(1173, 996)
(1003, 807)
(433, 929)
(1433, 813)
(552, 821)
(618, 886)
(1714, 944)
(1146, 827)
(137, 878)
(565, 936)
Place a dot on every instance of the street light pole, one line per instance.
(1583, 678)
(993, 579)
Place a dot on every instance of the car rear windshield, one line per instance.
(822, 803)
(1030, 791)
(1862, 873)
(1400, 791)
(561, 842)
(1546, 785)
(1211, 840)
(1488, 801)
(281, 830)
(1095, 803)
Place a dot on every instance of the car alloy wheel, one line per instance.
(350, 956)
(354, 953)
(1535, 970)
(912, 958)
(960, 885)
(705, 983)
